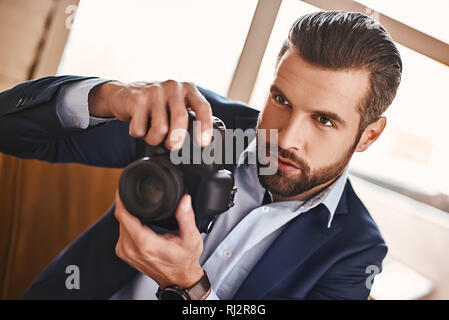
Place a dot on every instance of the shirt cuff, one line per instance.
(212, 295)
(72, 105)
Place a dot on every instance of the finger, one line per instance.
(186, 219)
(139, 122)
(179, 121)
(124, 217)
(125, 245)
(203, 112)
(138, 233)
(159, 119)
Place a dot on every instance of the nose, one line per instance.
(293, 135)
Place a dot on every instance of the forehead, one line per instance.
(309, 86)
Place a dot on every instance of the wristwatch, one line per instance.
(199, 291)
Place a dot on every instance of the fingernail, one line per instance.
(175, 142)
(177, 138)
(206, 137)
(187, 202)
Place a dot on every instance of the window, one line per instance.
(413, 150)
(429, 16)
(137, 40)
(289, 11)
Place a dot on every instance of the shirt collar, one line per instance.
(330, 196)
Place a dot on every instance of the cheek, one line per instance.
(329, 147)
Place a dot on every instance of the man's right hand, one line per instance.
(165, 102)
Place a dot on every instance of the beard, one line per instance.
(289, 184)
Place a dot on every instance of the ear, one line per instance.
(371, 133)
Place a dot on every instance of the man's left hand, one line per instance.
(169, 259)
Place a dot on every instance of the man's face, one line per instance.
(316, 114)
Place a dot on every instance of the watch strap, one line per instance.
(199, 291)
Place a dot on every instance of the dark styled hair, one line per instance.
(339, 40)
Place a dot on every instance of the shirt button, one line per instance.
(265, 209)
(227, 253)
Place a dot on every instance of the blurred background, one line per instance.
(229, 47)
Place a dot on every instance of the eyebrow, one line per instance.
(328, 114)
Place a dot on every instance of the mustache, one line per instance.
(288, 155)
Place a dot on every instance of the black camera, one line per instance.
(151, 187)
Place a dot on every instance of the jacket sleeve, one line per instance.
(350, 278)
(30, 129)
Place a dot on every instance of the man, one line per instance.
(301, 233)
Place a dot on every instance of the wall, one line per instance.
(43, 206)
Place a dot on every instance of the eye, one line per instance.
(280, 99)
(325, 121)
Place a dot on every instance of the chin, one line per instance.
(282, 184)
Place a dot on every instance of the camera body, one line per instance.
(151, 187)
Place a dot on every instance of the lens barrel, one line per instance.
(151, 188)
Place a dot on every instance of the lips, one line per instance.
(286, 162)
(285, 165)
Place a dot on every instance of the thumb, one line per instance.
(186, 218)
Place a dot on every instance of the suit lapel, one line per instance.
(302, 237)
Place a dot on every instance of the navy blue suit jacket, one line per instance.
(307, 261)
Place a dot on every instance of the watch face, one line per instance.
(173, 293)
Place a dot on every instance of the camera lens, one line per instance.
(150, 190)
